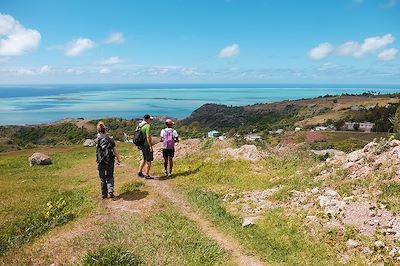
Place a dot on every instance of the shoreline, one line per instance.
(83, 118)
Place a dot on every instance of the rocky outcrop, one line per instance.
(39, 159)
(376, 157)
(246, 152)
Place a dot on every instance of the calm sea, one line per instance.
(46, 103)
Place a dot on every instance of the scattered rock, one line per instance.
(39, 159)
(89, 143)
(248, 221)
(351, 243)
(379, 244)
(246, 152)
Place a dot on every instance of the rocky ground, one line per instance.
(375, 228)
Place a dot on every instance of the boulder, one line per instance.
(351, 243)
(39, 159)
(248, 221)
(89, 143)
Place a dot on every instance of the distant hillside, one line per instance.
(304, 112)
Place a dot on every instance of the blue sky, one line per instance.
(204, 41)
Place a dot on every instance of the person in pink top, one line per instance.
(169, 137)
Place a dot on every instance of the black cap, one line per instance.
(147, 116)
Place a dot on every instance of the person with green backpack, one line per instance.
(142, 139)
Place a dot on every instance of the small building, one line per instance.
(279, 131)
(213, 134)
(320, 128)
(296, 129)
(367, 126)
(363, 126)
(252, 137)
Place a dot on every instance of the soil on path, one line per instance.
(226, 242)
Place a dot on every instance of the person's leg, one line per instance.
(103, 184)
(165, 156)
(141, 165)
(171, 164)
(110, 180)
(148, 166)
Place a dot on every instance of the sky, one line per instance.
(200, 41)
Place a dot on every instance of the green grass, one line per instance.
(163, 238)
(110, 255)
(277, 238)
(391, 195)
(30, 189)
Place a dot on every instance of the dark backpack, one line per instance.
(138, 137)
(104, 151)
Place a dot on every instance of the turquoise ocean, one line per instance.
(34, 104)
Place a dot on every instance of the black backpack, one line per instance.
(104, 151)
(138, 137)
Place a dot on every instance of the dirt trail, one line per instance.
(226, 242)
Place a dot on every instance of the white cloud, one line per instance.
(327, 66)
(348, 48)
(321, 51)
(372, 44)
(44, 69)
(105, 70)
(78, 46)
(24, 72)
(112, 61)
(73, 71)
(229, 51)
(15, 39)
(115, 38)
(388, 54)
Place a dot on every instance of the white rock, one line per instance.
(331, 193)
(394, 143)
(355, 156)
(367, 250)
(248, 221)
(351, 243)
(379, 244)
(314, 190)
(39, 159)
(89, 143)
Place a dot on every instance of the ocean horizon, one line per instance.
(38, 104)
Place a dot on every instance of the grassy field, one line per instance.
(84, 229)
(142, 228)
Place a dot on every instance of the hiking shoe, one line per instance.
(165, 172)
(169, 175)
(140, 174)
(111, 195)
(104, 196)
(148, 177)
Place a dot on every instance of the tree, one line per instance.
(396, 123)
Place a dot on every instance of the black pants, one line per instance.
(106, 173)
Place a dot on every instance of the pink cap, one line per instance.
(169, 122)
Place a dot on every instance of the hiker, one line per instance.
(168, 137)
(146, 148)
(106, 152)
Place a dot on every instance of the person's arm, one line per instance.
(117, 155)
(148, 136)
(176, 136)
(162, 135)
